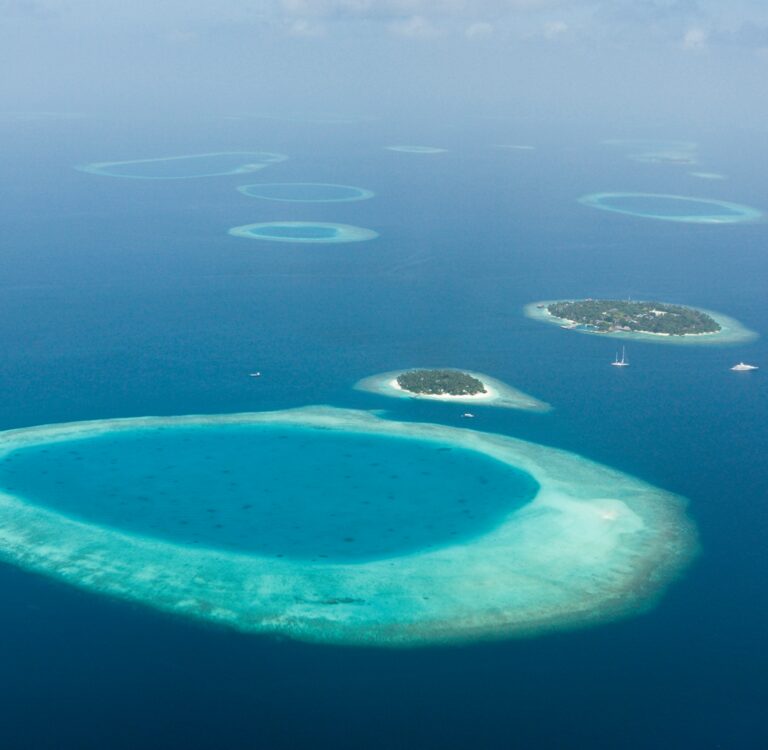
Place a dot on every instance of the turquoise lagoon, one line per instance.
(294, 491)
(306, 192)
(303, 231)
(337, 526)
(184, 167)
(672, 207)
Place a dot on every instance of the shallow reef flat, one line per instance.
(313, 119)
(679, 158)
(731, 330)
(678, 208)
(651, 145)
(591, 546)
(497, 394)
(417, 149)
(306, 192)
(215, 164)
(708, 175)
(303, 231)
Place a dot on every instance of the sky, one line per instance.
(577, 59)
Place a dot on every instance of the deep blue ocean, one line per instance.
(123, 297)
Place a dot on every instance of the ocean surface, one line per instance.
(127, 297)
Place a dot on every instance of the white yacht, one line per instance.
(621, 362)
(742, 367)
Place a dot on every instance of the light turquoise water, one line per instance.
(303, 231)
(662, 206)
(182, 167)
(273, 490)
(305, 192)
(307, 231)
(672, 207)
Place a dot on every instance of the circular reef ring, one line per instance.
(592, 545)
(313, 232)
(722, 212)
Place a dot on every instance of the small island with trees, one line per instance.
(649, 321)
(608, 315)
(450, 386)
(440, 383)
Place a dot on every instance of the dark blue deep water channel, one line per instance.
(126, 297)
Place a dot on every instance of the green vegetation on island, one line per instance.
(610, 315)
(440, 383)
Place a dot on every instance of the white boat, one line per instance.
(254, 374)
(742, 367)
(621, 362)
(467, 415)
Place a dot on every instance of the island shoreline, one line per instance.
(498, 394)
(731, 331)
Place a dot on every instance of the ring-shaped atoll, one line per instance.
(417, 149)
(675, 158)
(306, 192)
(731, 330)
(672, 207)
(652, 151)
(215, 164)
(496, 393)
(649, 145)
(303, 231)
(321, 119)
(708, 175)
(591, 546)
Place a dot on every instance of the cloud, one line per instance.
(695, 39)
(408, 8)
(554, 29)
(478, 29)
(25, 9)
(306, 28)
(688, 24)
(415, 26)
(424, 18)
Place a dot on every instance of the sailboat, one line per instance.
(621, 362)
(743, 367)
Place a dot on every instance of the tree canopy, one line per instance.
(440, 383)
(643, 317)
